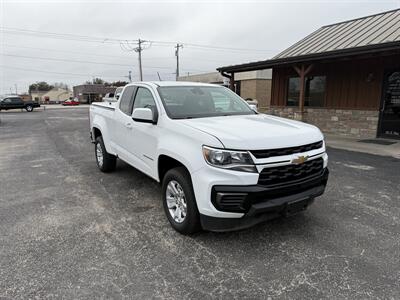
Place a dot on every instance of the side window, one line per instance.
(144, 99)
(7, 100)
(125, 104)
(16, 100)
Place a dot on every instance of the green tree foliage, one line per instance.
(40, 86)
(101, 81)
(96, 81)
(118, 83)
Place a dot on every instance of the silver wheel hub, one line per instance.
(176, 201)
(99, 154)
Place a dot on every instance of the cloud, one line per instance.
(260, 25)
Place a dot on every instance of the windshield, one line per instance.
(183, 102)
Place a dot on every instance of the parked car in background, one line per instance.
(13, 102)
(71, 102)
(108, 97)
(222, 165)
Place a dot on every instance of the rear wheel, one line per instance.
(29, 108)
(179, 201)
(106, 162)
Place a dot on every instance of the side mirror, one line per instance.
(144, 115)
(253, 107)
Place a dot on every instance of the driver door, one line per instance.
(143, 136)
(122, 125)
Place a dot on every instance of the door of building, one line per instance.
(389, 122)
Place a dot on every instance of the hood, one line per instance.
(256, 132)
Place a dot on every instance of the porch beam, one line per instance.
(302, 71)
(232, 81)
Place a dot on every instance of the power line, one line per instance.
(84, 53)
(64, 51)
(63, 36)
(84, 61)
(209, 47)
(86, 38)
(65, 73)
(50, 72)
(61, 59)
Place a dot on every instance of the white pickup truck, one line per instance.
(222, 165)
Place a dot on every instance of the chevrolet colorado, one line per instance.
(222, 165)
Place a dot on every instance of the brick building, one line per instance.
(88, 93)
(344, 77)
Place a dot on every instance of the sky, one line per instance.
(75, 41)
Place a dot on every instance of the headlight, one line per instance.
(229, 159)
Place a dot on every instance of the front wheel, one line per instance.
(179, 201)
(106, 162)
(29, 108)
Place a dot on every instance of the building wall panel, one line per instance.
(350, 84)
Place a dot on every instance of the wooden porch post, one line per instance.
(302, 72)
(232, 82)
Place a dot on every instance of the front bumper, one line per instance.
(259, 203)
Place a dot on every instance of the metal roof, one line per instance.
(379, 32)
(371, 30)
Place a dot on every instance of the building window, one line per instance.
(293, 92)
(314, 91)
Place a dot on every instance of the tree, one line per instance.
(96, 81)
(101, 81)
(118, 83)
(40, 86)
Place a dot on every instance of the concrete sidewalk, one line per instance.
(354, 144)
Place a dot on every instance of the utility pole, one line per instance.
(139, 51)
(16, 91)
(130, 76)
(177, 59)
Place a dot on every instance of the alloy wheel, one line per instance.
(99, 154)
(176, 201)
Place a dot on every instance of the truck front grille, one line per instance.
(286, 151)
(288, 173)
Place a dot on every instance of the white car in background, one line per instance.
(222, 165)
(113, 97)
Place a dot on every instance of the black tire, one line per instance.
(191, 222)
(109, 161)
(29, 108)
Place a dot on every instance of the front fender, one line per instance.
(184, 144)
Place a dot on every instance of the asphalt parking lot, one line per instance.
(69, 231)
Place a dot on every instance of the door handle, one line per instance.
(128, 125)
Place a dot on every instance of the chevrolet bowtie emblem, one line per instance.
(300, 160)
